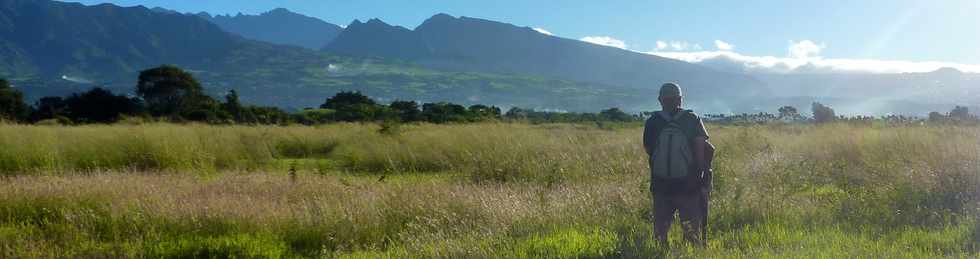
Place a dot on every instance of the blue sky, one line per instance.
(897, 33)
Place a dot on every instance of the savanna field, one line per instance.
(508, 190)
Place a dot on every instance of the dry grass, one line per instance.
(343, 213)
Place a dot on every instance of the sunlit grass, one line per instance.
(479, 190)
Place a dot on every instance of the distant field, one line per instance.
(477, 190)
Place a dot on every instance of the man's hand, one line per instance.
(702, 166)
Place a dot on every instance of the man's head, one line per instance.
(670, 96)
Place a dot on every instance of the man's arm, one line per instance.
(648, 137)
(700, 145)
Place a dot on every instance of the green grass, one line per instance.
(477, 190)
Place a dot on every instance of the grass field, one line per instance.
(477, 190)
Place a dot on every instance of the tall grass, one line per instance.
(159, 147)
(499, 152)
(512, 190)
(485, 151)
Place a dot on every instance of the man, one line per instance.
(676, 141)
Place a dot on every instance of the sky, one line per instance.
(773, 36)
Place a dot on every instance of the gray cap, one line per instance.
(670, 90)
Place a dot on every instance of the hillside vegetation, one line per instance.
(477, 190)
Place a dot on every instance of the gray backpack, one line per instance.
(672, 157)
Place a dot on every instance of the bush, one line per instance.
(99, 106)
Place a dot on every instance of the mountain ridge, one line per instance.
(53, 38)
(304, 31)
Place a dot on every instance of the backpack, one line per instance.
(672, 158)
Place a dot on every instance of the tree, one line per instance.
(961, 113)
(100, 106)
(346, 99)
(444, 112)
(517, 113)
(407, 111)
(936, 117)
(788, 112)
(233, 106)
(615, 114)
(207, 110)
(823, 114)
(170, 91)
(50, 107)
(481, 112)
(12, 106)
(353, 106)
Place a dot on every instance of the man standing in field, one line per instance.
(676, 142)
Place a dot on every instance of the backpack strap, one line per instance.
(667, 117)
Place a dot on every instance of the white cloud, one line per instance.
(724, 46)
(679, 45)
(605, 41)
(805, 49)
(543, 31)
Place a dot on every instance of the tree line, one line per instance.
(959, 115)
(168, 93)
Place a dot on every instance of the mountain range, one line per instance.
(469, 44)
(55, 48)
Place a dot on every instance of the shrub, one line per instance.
(99, 106)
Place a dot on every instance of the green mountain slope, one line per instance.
(55, 48)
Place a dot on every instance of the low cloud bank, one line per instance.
(804, 57)
(801, 57)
